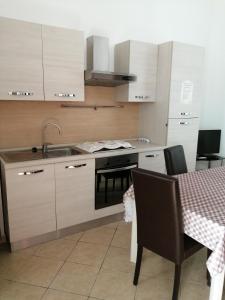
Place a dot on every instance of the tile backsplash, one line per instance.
(21, 121)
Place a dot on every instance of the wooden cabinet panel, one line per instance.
(63, 61)
(137, 58)
(68, 90)
(186, 77)
(143, 63)
(152, 161)
(75, 190)
(30, 201)
(21, 73)
(184, 132)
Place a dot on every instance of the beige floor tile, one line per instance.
(112, 225)
(153, 264)
(38, 271)
(194, 268)
(155, 288)
(100, 235)
(59, 295)
(74, 237)
(75, 278)
(88, 254)
(125, 225)
(27, 251)
(10, 264)
(111, 285)
(194, 291)
(122, 237)
(17, 291)
(57, 249)
(118, 259)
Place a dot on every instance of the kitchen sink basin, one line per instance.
(34, 154)
(56, 152)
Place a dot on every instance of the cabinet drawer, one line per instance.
(184, 132)
(153, 161)
(75, 182)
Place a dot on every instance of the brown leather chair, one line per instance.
(175, 160)
(176, 164)
(159, 221)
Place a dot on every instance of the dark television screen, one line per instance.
(208, 141)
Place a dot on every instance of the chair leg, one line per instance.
(208, 277)
(176, 284)
(98, 182)
(138, 264)
(122, 182)
(114, 183)
(106, 189)
(128, 182)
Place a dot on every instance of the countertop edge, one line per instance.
(139, 148)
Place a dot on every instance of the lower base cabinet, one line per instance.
(75, 192)
(30, 201)
(152, 161)
(45, 198)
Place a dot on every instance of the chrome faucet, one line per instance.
(44, 144)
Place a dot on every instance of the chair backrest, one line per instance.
(159, 220)
(175, 160)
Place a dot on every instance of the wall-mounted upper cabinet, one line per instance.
(39, 62)
(63, 62)
(137, 58)
(21, 73)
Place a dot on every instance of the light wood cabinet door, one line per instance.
(140, 59)
(186, 81)
(143, 63)
(63, 62)
(184, 132)
(75, 192)
(21, 73)
(152, 161)
(30, 201)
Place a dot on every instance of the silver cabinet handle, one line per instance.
(152, 155)
(30, 172)
(20, 93)
(75, 166)
(142, 97)
(65, 95)
(184, 123)
(185, 113)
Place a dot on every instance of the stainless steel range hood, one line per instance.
(97, 73)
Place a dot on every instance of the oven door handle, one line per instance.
(116, 169)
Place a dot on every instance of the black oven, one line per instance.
(113, 178)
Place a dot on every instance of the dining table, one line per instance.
(202, 196)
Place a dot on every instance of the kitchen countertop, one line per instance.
(139, 147)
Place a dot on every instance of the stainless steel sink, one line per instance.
(57, 152)
(26, 155)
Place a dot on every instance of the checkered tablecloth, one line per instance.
(203, 207)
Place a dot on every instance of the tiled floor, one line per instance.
(95, 265)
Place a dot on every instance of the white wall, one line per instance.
(200, 22)
(213, 108)
(148, 20)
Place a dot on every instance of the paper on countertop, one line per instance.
(100, 145)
